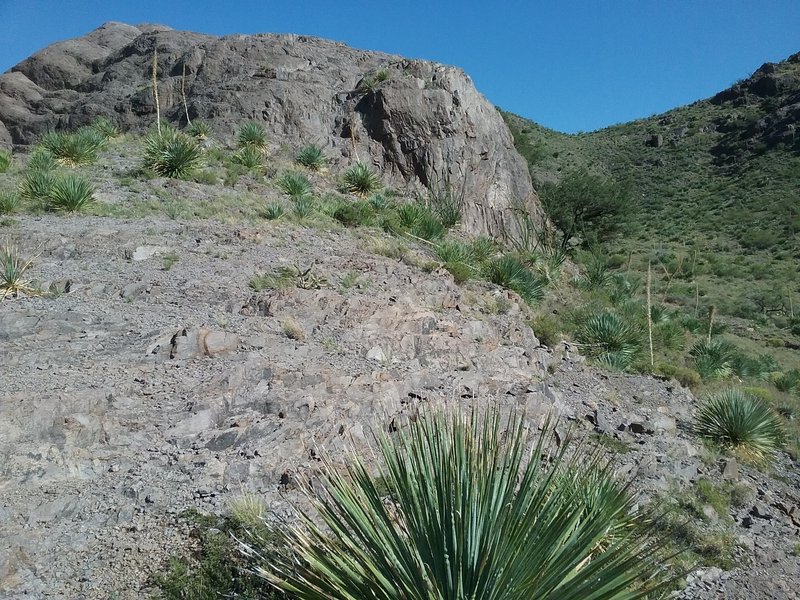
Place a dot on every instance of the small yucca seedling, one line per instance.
(360, 179)
(106, 127)
(69, 193)
(742, 422)
(9, 202)
(41, 160)
(273, 211)
(5, 160)
(36, 184)
(510, 273)
(294, 184)
(13, 267)
(172, 153)
(304, 206)
(250, 157)
(252, 134)
(200, 130)
(312, 157)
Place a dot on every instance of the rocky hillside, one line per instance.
(422, 124)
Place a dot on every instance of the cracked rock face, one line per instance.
(424, 126)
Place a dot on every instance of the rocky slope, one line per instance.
(424, 126)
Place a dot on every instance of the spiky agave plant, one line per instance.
(460, 509)
(250, 157)
(312, 157)
(294, 184)
(252, 134)
(200, 130)
(736, 419)
(172, 153)
(609, 339)
(69, 193)
(13, 267)
(360, 179)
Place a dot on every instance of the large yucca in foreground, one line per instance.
(464, 511)
(735, 419)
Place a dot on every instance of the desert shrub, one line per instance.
(713, 359)
(757, 368)
(371, 82)
(273, 211)
(13, 267)
(460, 509)
(105, 127)
(69, 193)
(353, 214)
(510, 273)
(252, 134)
(5, 160)
(610, 340)
(547, 329)
(303, 206)
(446, 202)
(249, 157)
(294, 184)
(453, 251)
(483, 248)
(199, 130)
(172, 153)
(787, 382)
(379, 202)
(76, 148)
(686, 377)
(41, 160)
(740, 421)
(312, 157)
(9, 202)
(36, 184)
(360, 179)
(419, 221)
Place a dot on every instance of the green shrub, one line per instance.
(252, 134)
(371, 82)
(418, 220)
(5, 160)
(69, 193)
(273, 211)
(361, 180)
(172, 153)
(105, 127)
(353, 214)
(74, 149)
(788, 382)
(453, 251)
(379, 202)
(303, 206)
(249, 157)
(610, 340)
(688, 378)
(713, 359)
(547, 329)
(199, 130)
(36, 184)
(510, 273)
(446, 203)
(41, 160)
(460, 271)
(737, 420)
(428, 228)
(294, 184)
(9, 202)
(467, 512)
(312, 157)
(483, 248)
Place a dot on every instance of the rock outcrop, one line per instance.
(424, 125)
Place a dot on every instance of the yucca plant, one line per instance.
(172, 153)
(41, 160)
(106, 127)
(69, 193)
(252, 134)
(610, 340)
(312, 157)
(735, 419)
(379, 202)
(460, 509)
(510, 273)
(250, 157)
(303, 206)
(483, 248)
(354, 214)
(360, 179)
(36, 184)
(713, 358)
(9, 202)
(273, 211)
(199, 130)
(453, 251)
(76, 148)
(13, 280)
(788, 382)
(5, 160)
(294, 184)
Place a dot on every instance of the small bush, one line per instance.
(713, 359)
(304, 206)
(273, 211)
(36, 184)
(250, 157)
(482, 248)
(461, 272)
(41, 160)
(172, 153)
(788, 382)
(74, 149)
(199, 130)
(354, 214)
(252, 134)
(312, 157)
(510, 273)
(547, 329)
(293, 330)
(13, 280)
(9, 202)
(370, 83)
(453, 251)
(380, 203)
(294, 184)
(5, 160)
(360, 179)
(688, 378)
(610, 340)
(69, 193)
(740, 421)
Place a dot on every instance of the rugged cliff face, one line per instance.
(423, 126)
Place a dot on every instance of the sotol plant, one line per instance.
(312, 157)
(294, 184)
(172, 153)
(610, 340)
(74, 149)
(460, 509)
(735, 419)
(13, 280)
(510, 273)
(360, 179)
(252, 134)
(5, 160)
(714, 358)
(69, 193)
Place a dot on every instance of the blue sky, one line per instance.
(571, 64)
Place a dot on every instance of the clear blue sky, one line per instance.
(568, 64)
